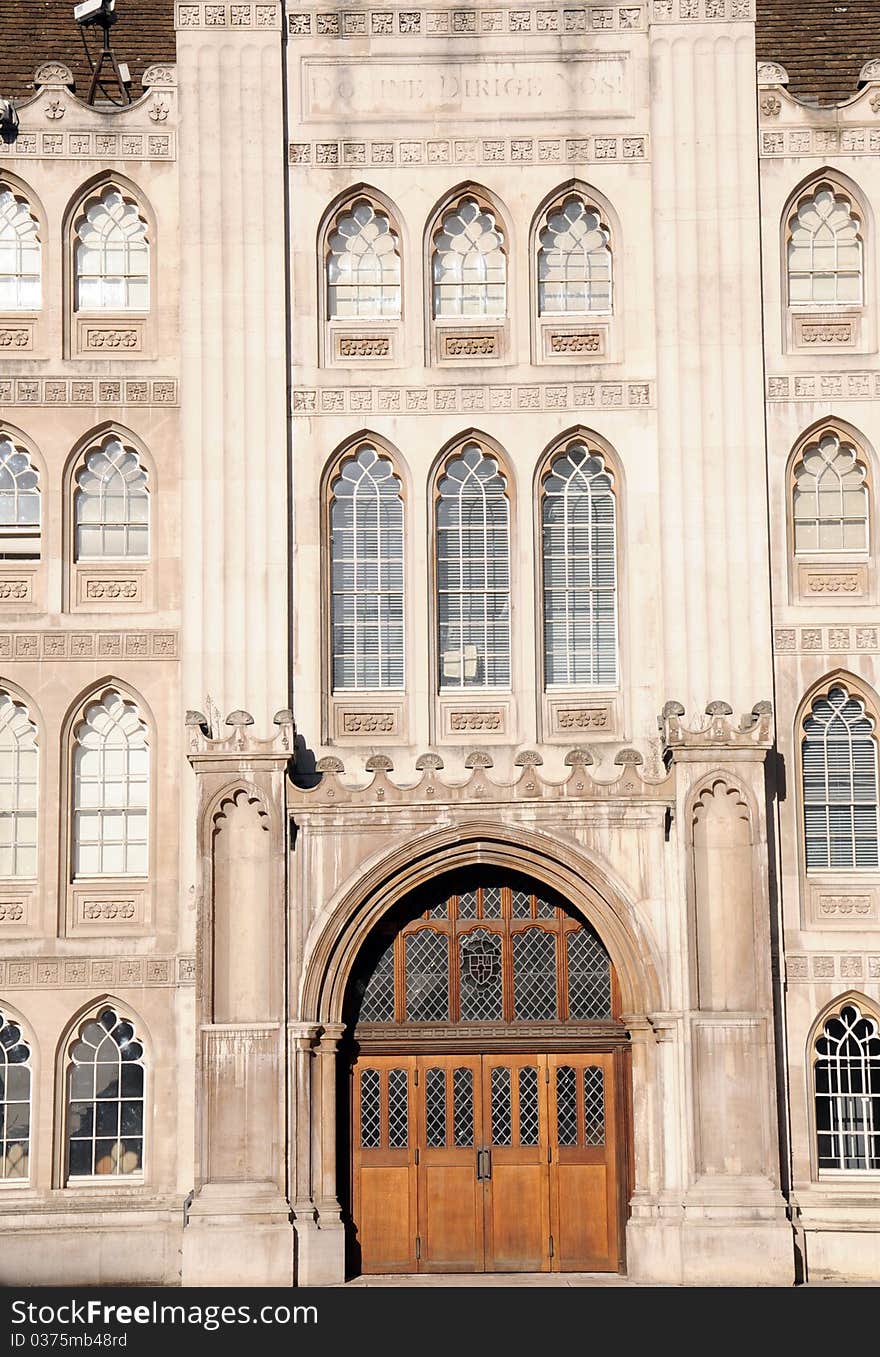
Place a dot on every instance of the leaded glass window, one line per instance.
(839, 755)
(15, 1101)
(501, 1109)
(469, 265)
(105, 1115)
(20, 262)
(830, 499)
(111, 504)
(366, 568)
(574, 260)
(496, 950)
(111, 261)
(847, 1079)
(111, 784)
(473, 572)
(427, 977)
(463, 1106)
(398, 1109)
(19, 503)
(363, 265)
(825, 250)
(529, 1121)
(566, 1105)
(594, 1105)
(435, 1108)
(18, 790)
(579, 546)
(371, 1110)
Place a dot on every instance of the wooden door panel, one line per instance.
(584, 1162)
(450, 1128)
(384, 1151)
(517, 1214)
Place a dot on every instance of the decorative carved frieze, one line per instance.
(87, 391)
(82, 144)
(839, 332)
(232, 16)
(95, 972)
(16, 338)
(362, 720)
(16, 590)
(575, 342)
(832, 583)
(112, 589)
(825, 640)
(701, 11)
(475, 720)
(822, 385)
(717, 727)
(629, 780)
(494, 150)
(12, 911)
(820, 141)
(582, 717)
(464, 23)
(362, 346)
(469, 346)
(77, 645)
(427, 400)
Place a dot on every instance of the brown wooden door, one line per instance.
(584, 1168)
(497, 1163)
(384, 1142)
(450, 1192)
(516, 1181)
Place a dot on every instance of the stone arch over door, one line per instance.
(334, 946)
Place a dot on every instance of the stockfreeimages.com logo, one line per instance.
(100, 1314)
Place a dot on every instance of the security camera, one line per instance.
(93, 11)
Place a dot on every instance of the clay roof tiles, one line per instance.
(823, 44)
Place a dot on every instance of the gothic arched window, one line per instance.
(111, 254)
(473, 571)
(20, 262)
(366, 573)
(830, 501)
(468, 263)
(839, 759)
(824, 249)
(111, 504)
(579, 558)
(111, 789)
(15, 1101)
(19, 764)
(105, 1099)
(19, 503)
(846, 1071)
(574, 259)
(363, 264)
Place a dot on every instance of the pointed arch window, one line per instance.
(839, 758)
(574, 260)
(366, 573)
(579, 555)
(111, 504)
(20, 253)
(846, 1070)
(830, 501)
(473, 572)
(111, 256)
(363, 264)
(15, 1101)
(469, 263)
(19, 503)
(19, 764)
(825, 249)
(111, 787)
(105, 1099)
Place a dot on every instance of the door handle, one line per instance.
(484, 1165)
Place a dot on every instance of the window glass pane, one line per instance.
(111, 257)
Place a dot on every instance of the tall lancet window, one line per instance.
(363, 264)
(111, 504)
(825, 250)
(20, 260)
(18, 790)
(366, 573)
(574, 260)
(579, 551)
(469, 264)
(473, 571)
(111, 789)
(830, 498)
(846, 1070)
(111, 255)
(839, 754)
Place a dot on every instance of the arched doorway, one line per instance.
(488, 1085)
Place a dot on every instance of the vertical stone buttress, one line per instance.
(715, 559)
(235, 632)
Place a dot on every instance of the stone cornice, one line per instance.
(750, 737)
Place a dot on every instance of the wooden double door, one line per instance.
(495, 1163)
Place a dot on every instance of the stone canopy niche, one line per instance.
(724, 899)
(241, 851)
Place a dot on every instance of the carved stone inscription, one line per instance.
(537, 88)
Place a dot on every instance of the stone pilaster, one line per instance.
(239, 1230)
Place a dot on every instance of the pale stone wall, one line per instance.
(825, 622)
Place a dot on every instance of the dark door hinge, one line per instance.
(418, 1246)
(417, 1154)
(551, 1247)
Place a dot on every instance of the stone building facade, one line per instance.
(437, 653)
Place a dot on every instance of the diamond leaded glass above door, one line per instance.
(487, 949)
